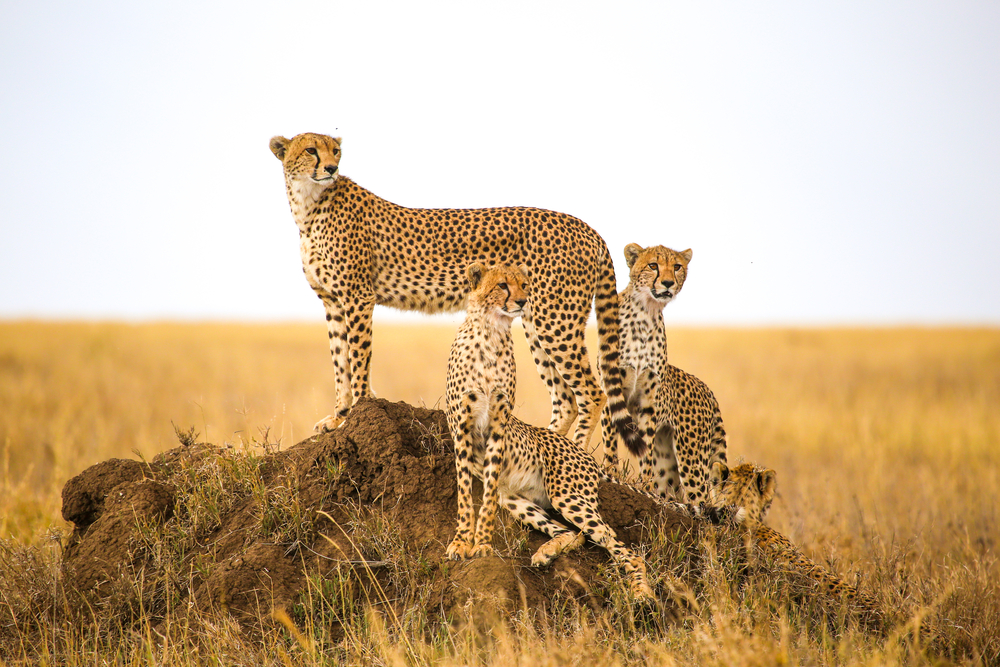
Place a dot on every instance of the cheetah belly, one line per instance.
(525, 483)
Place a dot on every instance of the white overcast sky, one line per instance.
(829, 163)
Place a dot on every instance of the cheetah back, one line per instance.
(359, 250)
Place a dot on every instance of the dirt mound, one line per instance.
(360, 515)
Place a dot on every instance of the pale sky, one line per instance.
(828, 163)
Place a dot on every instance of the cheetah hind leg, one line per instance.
(585, 515)
(532, 515)
(564, 411)
(659, 465)
(552, 549)
(609, 438)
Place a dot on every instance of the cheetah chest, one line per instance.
(643, 346)
(312, 264)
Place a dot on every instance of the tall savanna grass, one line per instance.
(886, 443)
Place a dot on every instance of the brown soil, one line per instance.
(391, 466)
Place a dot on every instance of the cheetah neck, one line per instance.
(492, 322)
(644, 341)
(303, 195)
(642, 301)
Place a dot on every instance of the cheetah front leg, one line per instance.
(358, 318)
(659, 466)
(337, 332)
(492, 465)
(644, 409)
(461, 423)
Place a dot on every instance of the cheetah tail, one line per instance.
(608, 338)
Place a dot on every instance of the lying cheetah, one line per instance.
(359, 250)
(526, 469)
(752, 488)
(676, 412)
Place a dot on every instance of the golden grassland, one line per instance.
(886, 443)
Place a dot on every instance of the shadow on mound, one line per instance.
(355, 517)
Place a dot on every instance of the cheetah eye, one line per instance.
(677, 267)
(311, 150)
(336, 151)
(502, 285)
(652, 265)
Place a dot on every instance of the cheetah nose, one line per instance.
(668, 283)
(520, 302)
(330, 169)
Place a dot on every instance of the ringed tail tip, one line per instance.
(633, 439)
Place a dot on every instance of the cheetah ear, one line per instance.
(523, 268)
(475, 275)
(632, 251)
(718, 474)
(278, 146)
(767, 484)
(687, 255)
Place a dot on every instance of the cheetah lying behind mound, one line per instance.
(359, 250)
(752, 488)
(676, 412)
(526, 469)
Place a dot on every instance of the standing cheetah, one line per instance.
(359, 250)
(676, 412)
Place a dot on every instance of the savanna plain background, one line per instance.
(884, 440)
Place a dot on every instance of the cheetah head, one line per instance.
(656, 273)
(501, 291)
(311, 161)
(747, 486)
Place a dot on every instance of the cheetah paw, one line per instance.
(482, 550)
(642, 592)
(459, 549)
(549, 551)
(327, 423)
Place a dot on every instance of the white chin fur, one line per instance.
(502, 319)
(650, 302)
(307, 191)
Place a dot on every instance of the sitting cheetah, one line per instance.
(359, 250)
(752, 488)
(524, 468)
(676, 412)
